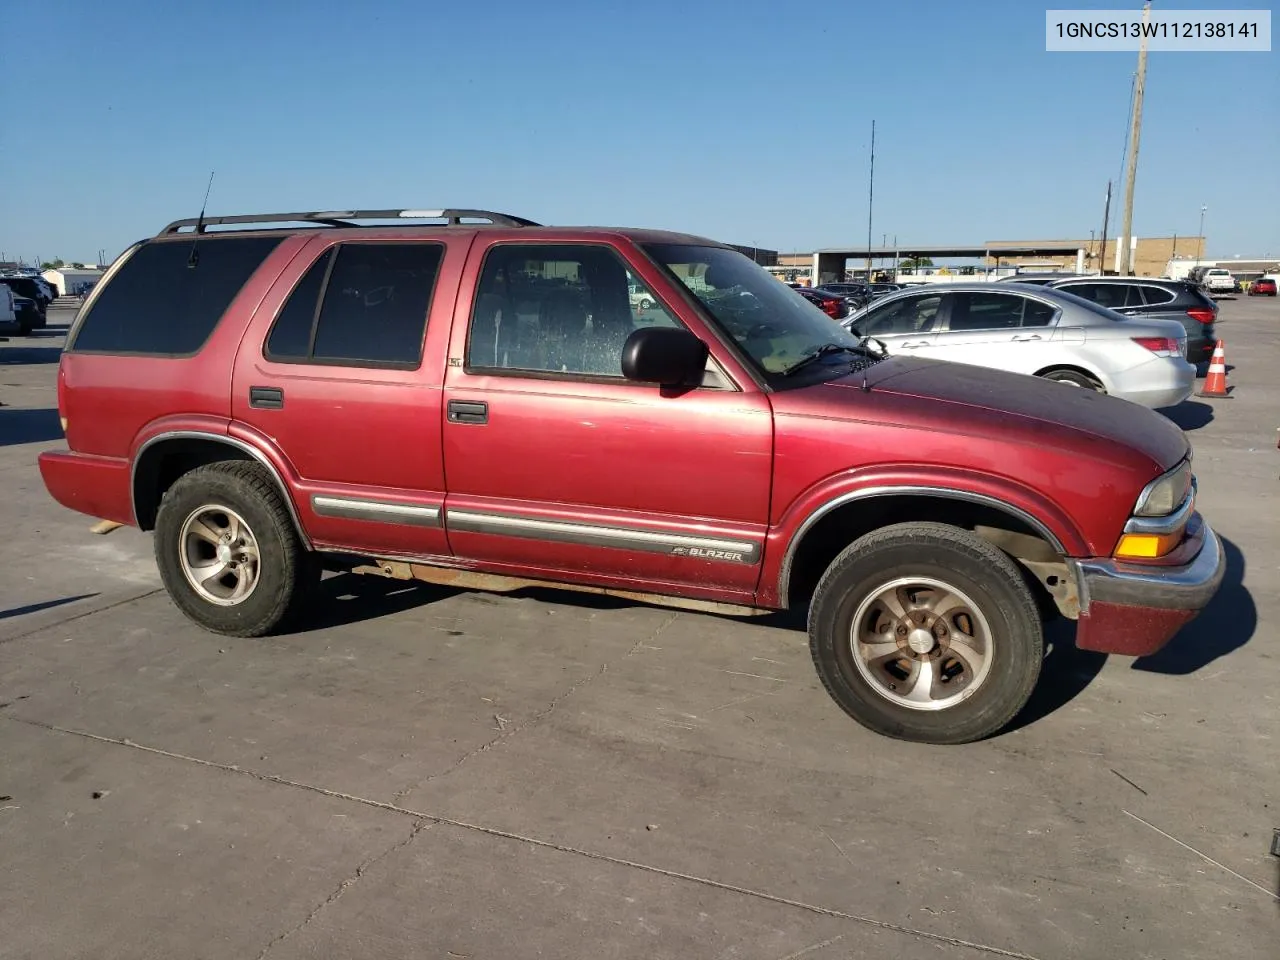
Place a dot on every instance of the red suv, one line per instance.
(481, 404)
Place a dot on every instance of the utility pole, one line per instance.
(1135, 134)
(1200, 255)
(871, 192)
(1106, 219)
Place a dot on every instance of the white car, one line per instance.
(1038, 331)
(1218, 280)
(8, 313)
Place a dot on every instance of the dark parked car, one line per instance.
(834, 305)
(27, 312)
(858, 293)
(1181, 300)
(27, 287)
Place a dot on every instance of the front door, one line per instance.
(556, 463)
(905, 325)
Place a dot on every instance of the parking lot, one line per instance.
(427, 773)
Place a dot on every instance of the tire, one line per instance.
(227, 498)
(1073, 378)
(921, 563)
(645, 305)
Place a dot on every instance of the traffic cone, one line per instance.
(1215, 382)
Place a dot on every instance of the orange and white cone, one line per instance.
(1215, 382)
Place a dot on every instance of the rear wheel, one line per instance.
(228, 552)
(926, 632)
(1074, 378)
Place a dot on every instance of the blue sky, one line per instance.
(745, 121)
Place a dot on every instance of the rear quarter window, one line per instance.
(161, 303)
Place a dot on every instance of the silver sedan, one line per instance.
(1033, 330)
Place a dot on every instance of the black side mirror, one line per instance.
(671, 356)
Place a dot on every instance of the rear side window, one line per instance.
(165, 301)
(1156, 295)
(361, 304)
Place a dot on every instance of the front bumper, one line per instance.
(1135, 609)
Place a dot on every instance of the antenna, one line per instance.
(194, 259)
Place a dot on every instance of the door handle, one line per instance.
(1034, 336)
(266, 398)
(468, 411)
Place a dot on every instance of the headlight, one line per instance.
(1165, 494)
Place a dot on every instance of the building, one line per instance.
(72, 281)
(1149, 256)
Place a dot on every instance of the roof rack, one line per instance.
(347, 218)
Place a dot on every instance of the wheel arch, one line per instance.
(833, 525)
(162, 459)
(1073, 368)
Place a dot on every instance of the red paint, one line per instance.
(1128, 631)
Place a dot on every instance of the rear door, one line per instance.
(340, 372)
(1000, 329)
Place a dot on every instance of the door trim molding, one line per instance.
(378, 511)
(717, 549)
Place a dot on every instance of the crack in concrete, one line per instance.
(345, 885)
(418, 815)
(535, 718)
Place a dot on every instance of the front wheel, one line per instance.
(926, 632)
(228, 553)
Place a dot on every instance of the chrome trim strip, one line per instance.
(784, 578)
(1188, 587)
(1168, 524)
(231, 442)
(624, 538)
(378, 511)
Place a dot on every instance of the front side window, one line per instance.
(361, 303)
(772, 324)
(909, 315)
(558, 308)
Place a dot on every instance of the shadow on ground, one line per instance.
(28, 356)
(1190, 414)
(1066, 673)
(44, 605)
(1224, 626)
(28, 426)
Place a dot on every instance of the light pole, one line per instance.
(1200, 255)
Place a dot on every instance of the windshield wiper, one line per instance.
(826, 350)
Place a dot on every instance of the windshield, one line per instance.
(769, 321)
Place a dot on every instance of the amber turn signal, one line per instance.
(1146, 546)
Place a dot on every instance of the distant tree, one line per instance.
(53, 264)
(912, 263)
(77, 266)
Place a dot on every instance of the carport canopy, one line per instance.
(829, 264)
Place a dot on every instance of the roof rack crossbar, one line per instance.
(347, 218)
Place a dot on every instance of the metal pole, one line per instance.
(871, 192)
(1200, 255)
(1106, 219)
(1135, 135)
